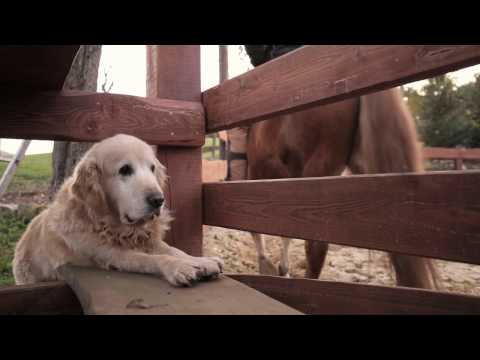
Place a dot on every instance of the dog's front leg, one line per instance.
(210, 266)
(180, 271)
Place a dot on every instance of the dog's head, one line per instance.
(122, 175)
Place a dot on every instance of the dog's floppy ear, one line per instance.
(161, 173)
(86, 181)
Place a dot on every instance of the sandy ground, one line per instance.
(342, 264)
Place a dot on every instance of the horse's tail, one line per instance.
(386, 139)
(386, 142)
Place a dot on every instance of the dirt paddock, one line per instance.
(342, 263)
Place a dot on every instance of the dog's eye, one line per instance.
(125, 170)
(152, 168)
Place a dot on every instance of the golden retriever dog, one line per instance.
(109, 214)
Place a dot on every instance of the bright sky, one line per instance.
(126, 66)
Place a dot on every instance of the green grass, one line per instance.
(33, 174)
(12, 227)
(206, 153)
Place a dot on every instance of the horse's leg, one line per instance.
(315, 252)
(386, 142)
(266, 168)
(265, 266)
(414, 271)
(321, 165)
(283, 267)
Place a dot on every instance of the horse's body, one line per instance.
(371, 134)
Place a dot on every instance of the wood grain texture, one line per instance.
(84, 116)
(48, 298)
(173, 72)
(433, 214)
(451, 153)
(322, 74)
(223, 63)
(115, 293)
(332, 298)
(184, 197)
(35, 68)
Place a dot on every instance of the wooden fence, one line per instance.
(458, 155)
(432, 214)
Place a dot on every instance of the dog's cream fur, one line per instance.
(101, 218)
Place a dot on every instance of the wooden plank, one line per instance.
(35, 68)
(458, 164)
(7, 175)
(115, 293)
(433, 214)
(48, 298)
(184, 197)
(322, 74)
(451, 153)
(330, 297)
(173, 72)
(223, 62)
(85, 116)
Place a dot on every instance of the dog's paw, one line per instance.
(211, 267)
(183, 274)
(188, 272)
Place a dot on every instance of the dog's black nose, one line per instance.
(155, 200)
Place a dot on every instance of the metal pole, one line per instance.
(10, 170)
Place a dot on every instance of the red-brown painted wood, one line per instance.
(83, 116)
(434, 214)
(322, 74)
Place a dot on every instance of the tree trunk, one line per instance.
(82, 76)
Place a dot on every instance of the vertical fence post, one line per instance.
(459, 164)
(173, 72)
(223, 60)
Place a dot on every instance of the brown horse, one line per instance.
(368, 135)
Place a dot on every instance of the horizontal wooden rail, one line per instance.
(305, 295)
(317, 75)
(433, 214)
(121, 293)
(84, 116)
(451, 153)
(35, 68)
(54, 298)
(329, 297)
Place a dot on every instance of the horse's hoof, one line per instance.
(266, 267)
(283, 271)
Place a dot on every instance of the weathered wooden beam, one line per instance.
(322, 74)
(35, 68)
(117, 293)
(84, 116)
(184, 197)
(223, 63)
(451, 153)
(54, 298)
(336, 298)
(173, 72)
(434, 214)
